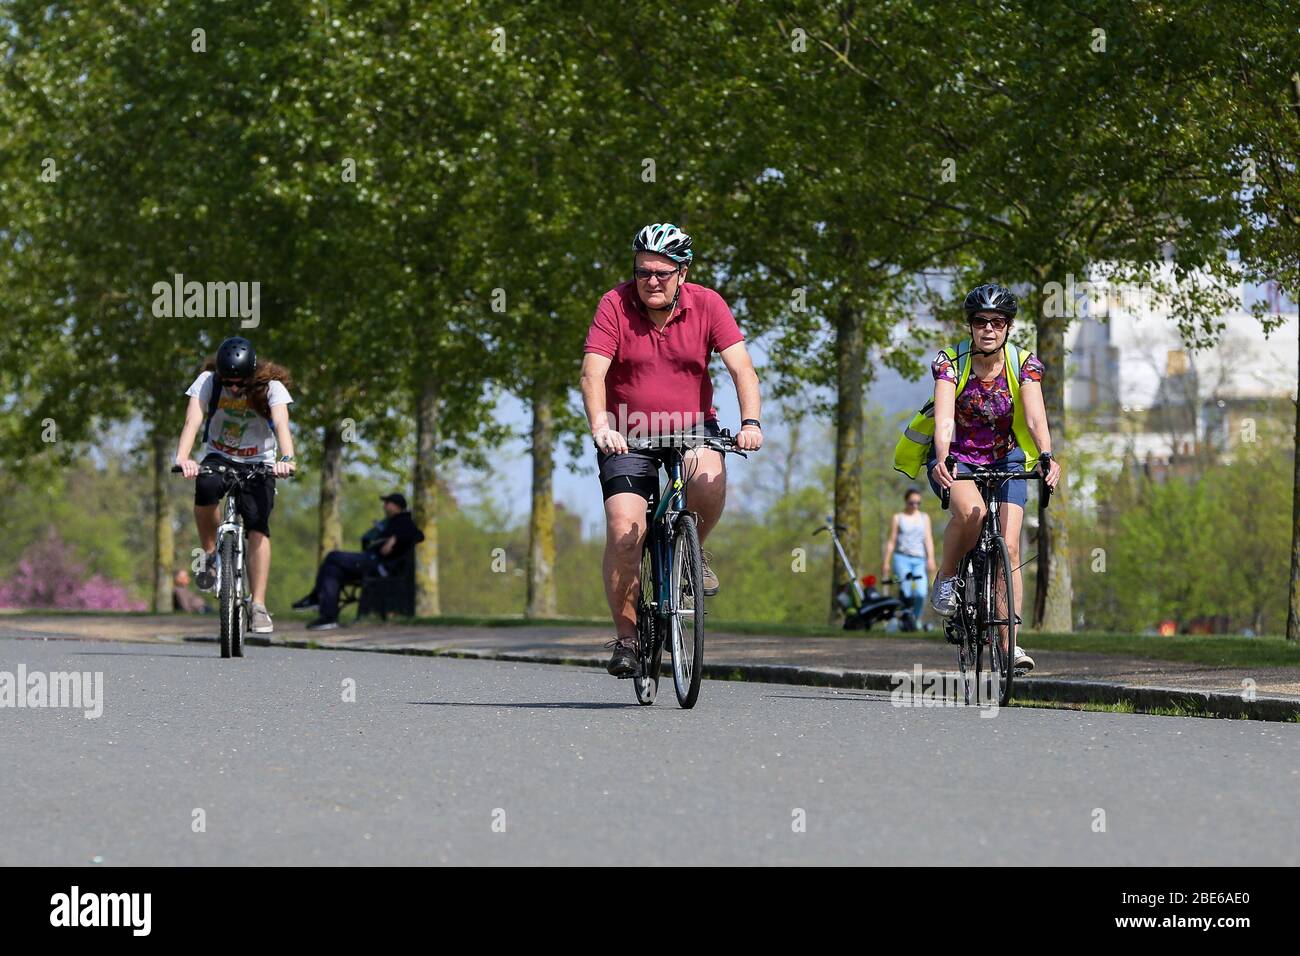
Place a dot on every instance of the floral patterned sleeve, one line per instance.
(943, 370)
(1032, 370)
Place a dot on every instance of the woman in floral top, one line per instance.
(975, 428)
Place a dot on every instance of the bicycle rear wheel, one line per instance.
(230, 598)
(686, 616)
(998, 633)
(650, 640)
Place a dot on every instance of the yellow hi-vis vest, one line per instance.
(913, 448)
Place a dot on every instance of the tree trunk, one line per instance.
(330, 531)
(794, 448)
(1053, 597)
(1293, 605)
(163, 534)
(850, 359)
(541, 522)
(428, 599)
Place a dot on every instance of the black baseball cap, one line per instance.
(395, 498)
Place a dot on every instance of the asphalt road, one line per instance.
(480, 762)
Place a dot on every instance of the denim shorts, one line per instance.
(1010, 492)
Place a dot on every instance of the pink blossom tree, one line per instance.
(49, 576)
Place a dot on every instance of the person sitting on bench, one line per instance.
(385, 544)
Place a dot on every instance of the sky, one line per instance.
(576, 484)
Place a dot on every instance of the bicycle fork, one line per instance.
(231, 525)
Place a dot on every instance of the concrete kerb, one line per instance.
(1048, 690)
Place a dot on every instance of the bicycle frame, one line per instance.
(974, 616)
(848, 568)
(987, 480)
(672, 502)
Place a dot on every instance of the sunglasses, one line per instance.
(645, 274)
(996, 324)
(233, 383)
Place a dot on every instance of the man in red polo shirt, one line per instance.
(646, 373)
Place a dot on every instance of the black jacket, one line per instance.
(401, 526)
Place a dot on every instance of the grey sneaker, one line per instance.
(1022, 662)
(944, 596)
(710, 579)
(259, 620)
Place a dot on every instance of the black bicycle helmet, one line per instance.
(991, 298)
(236, 358)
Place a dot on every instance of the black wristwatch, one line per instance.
(751, 421)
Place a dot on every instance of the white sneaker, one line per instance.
(206, 578)
(1022, 661)
(943, 597)
(260, 620)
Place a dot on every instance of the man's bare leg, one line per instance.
(707, 491)
(625, 528)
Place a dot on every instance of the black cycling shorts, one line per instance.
(637, 471)
(255, 501)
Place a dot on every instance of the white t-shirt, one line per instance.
(237, 432)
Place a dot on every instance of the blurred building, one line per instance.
(1139, 399)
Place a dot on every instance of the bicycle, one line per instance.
(672, 575)
(235, 596)
(985, 616)
(859, 601)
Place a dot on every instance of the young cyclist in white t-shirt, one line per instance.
(249, 425)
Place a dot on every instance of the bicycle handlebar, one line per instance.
(725, 443)
(252, 468)
(987, 474)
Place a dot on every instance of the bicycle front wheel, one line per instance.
(243, 609)
(686, 616)
(999, 623)
(230, 599)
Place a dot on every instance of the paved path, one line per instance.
(433, 751)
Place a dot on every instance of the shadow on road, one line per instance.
(549, 705)
(189, 657)
(865, 698)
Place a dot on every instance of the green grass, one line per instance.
(1127, 707)
(1216, 649)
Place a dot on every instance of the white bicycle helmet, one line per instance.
(665, 239)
